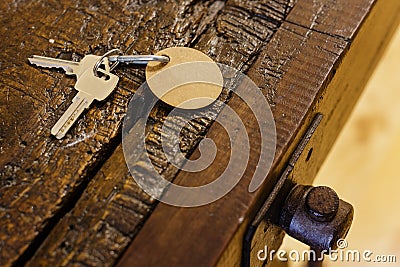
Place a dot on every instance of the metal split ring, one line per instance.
(128, 59)
(138, 59)
(100, 61)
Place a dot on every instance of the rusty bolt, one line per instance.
(316, 216)
(322, 203)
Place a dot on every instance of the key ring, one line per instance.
(95, 82)
(112, 67)
(131, 59)
(138, 59)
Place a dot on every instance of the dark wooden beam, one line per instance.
(318, 61)
(60, 205)
(41, 177)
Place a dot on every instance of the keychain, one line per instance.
(96, 82)
(189, 80)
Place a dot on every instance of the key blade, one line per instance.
(80, 102)
(70, 67)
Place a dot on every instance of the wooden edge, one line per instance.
(44, 177)
(164, 240)
(349, 81)
(111, 209)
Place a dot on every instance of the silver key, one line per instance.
(89, 87)
(70, 67)
(79, 103)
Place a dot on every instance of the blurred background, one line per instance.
(362, 166)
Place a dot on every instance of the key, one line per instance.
(70, 67)
(79, 103)
(89, 87)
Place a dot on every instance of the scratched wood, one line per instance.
(320, 59)
(41, 177)
(110, 224)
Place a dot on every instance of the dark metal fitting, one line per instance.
(316, 216)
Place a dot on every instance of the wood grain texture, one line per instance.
(42, 177)
(312, 64)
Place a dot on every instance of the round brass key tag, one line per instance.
(190, 79)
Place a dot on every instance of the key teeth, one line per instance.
(38, 61)
(33, 61)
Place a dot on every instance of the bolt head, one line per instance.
(322, 203)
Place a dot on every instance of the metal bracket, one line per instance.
(248, 237)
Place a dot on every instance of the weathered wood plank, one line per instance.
(41, 176)
(317, 65)
(100, 225)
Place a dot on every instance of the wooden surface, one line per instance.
(44, 177)
(330, 55)
(365, 156)
(60, 205)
